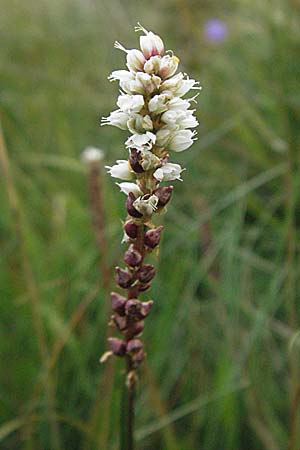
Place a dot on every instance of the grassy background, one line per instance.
(223, 340)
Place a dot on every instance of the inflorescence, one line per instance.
(152, 109)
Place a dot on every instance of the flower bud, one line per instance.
(134, 346)
(120, 322)
(118, 303)
(168, 66)
(146, 273)
(152, 237)
(135, 159)
(132, 257)
(135, 60)
(130, 208)
(123, 278)
(117, 346)
(152, 65)
(151, 44)
(131, 229)
(163, 194)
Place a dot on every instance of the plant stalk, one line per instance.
(127, 413)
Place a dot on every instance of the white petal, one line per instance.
(126, 188)
(130, 103)
(141, 141)
(168, 172)
(120, 170)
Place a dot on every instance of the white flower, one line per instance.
(117, 119)
(152, 65)
(141, 141)
(150, 44)
(178, 85)
(180, 118)
(139, 124)
(162, 137)
(148, 83)
(164, 66)
(159, 103)
(181, 140)
(120, 170)
(121, 75)
(92, 155)
(168, 66)
(143, 83)
(130, 103)
(149, 160)
(126, 188)
(168, 172)
(146, 204)
(179, 104)
(135, 58)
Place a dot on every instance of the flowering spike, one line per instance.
(160, 122)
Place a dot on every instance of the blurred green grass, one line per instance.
(223, 340)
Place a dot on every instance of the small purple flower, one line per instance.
(215, 30)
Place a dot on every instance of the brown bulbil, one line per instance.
(146, 273)
(138, 357)
(133, 309)
(131, 229)
(117, 346)
(123, 278)
(137, 310)
(134, 345)
(146, 308)
(143, 287)
(164, 195)
(134, 160)
(135, 329)
(120, 322)
(130, 208)
(132, 257)
(118, 303)
(152, 237)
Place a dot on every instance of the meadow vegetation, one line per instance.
(223, 366)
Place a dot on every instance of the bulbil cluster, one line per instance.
(152, 109)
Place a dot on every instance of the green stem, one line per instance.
(127, 415)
